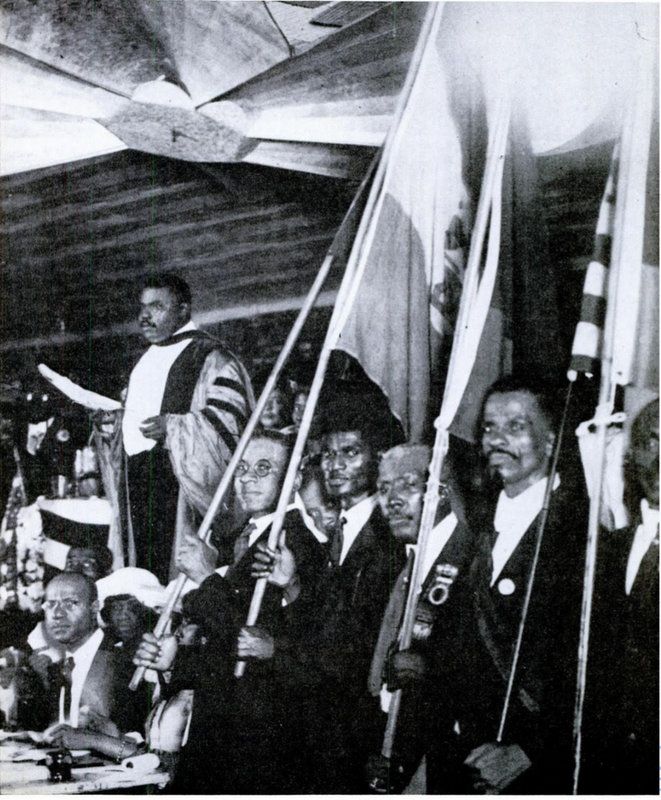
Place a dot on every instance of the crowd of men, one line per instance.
(324, 662)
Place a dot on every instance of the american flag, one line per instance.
(586, 349)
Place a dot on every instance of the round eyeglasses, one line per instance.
(261, 468)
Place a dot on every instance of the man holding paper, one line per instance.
(187, 403)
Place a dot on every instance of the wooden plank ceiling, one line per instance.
(78, 241)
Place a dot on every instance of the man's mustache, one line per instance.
(501, 451)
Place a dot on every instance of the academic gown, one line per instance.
(473, 654)
(248, 735)
(207, 400)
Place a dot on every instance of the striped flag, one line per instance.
(586, 348)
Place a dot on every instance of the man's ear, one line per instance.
(96, 607)
(550, 443)
(185, 310)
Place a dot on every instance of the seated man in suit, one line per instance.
(403, 473)
(474, 658)
(88, 688)
(364, 562)
(621, 719)
(247, 734)
(94, 561)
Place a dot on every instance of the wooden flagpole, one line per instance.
(204, 531)
(343, 305)
(464, 348)
(627, 249)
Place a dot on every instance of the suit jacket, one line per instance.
(421, 719)
(621, 718)
(245, 734)
(355, 596)
(474, 661)
(349, 723)
(105, 691)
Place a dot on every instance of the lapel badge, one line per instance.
(444, 576)
(506, 586)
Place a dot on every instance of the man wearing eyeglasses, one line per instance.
(247, 734)
(401, 485)
(88, 674)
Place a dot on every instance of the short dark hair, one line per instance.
(102, 554)
(642, 423)
(120, 598)
(173, 282)
(546, 394)
(356, 412)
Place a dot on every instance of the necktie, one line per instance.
(66, 670)
(337, 542)
(242, 543)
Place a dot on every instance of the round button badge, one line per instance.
(506, 586)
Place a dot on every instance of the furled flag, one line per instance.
(413, 252)
(416, 245)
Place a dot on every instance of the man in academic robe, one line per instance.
(403, 473)
(247, 734)
(187, 402)
(363, 563)
(621, 718)
(89, 675)
(474, 657)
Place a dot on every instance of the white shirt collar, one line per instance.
(514, 515)
(438, 538)
(645, 534)
(320, 536)
(262, 523)
(355, 520)
(83, 658)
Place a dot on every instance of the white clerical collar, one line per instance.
(355, 519)
(645, 534)
(514, 515)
